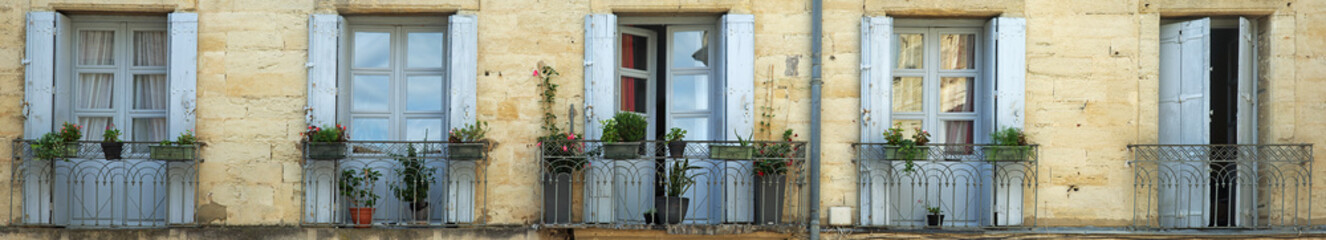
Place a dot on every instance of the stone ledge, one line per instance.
(238, 233)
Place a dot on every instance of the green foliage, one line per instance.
(416, 178)
(353, 183)
(548, 98)
(563, 152)
(185, 138)
(680, 178)
(933, 210)
(610, 131)
(326, 134)
(908, 149)
(111, 134)
(1009, 137)
(71, 132)
(744, 142)
(775, 158)
(50, 146)
(893, 135)
(471, 133)
(630, 126)
(675, 134)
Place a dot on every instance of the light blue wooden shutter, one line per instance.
(1004, 91)
(1184, 118)
(182, 72)
(45, 30)
(1247, 119)
(324, 37)
(876, 93)
(600, 104)
(462, 69)
(737, 50)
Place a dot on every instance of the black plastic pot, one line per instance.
(112, 150)
(677, 149)
(934, 220)
(769, 191)
(671, 210)
(557, 198)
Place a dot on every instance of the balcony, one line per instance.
(1222, 186)
(421, 183)
(82, 188)
(591, 184)
(974, 186)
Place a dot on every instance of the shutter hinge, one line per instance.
(26, 61)
(588, 63)
(308, 65)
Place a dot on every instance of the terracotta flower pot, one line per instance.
(363, 217)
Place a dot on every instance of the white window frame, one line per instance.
(397, 71)
(121, 111)
(931, 116)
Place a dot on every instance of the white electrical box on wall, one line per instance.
(840, 216)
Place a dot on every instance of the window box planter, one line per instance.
(630, 150)
(326, 150)
(71, 149)
(1007, 153)
(731, 152)
(896, 153)
(465, 151)
(172, 152)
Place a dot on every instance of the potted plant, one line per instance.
(671, 206)
(111, 146)
(563, 155)
(742, 151)
(1010, 145)
(69, 135)
(772, 161)
(182, 148)
(416, 178)
(326, 143)
(649, 216)
(935, 217)
(676, 146)
(353, 184)
(907, 150)
(467, 142)
(51, 146)
(622, 135)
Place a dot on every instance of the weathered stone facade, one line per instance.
(1092, 70)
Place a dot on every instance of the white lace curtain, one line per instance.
(148, 92)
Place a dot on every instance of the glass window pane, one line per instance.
(93, 127)
(425, 50)
(423, 93)
(97, 47)
(958, 51)
(911, 51)
(150, 92)
(908, 94)
(697, 129)
(909, 127)
(370, 93)
(635, 52)
(96, 90)
(690, 49)
(372, 49)
(369, 129)
(632, 94)
(959, 132)
(956, 94)
(150, 48)
(415, 128)
(150, 129)
(690, 92)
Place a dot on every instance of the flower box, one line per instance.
(326, 150)
(630, 150)
(172, 152)
(465, 151)
(731, 152)
(1007, 153)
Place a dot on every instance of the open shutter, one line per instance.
(1247, 121)
(876, 92)
(1006, 67)
(737, 51)
(600, 104)
(1184, 118)
(323, 38)
(44, 31)
(462, 69)
(182, 72)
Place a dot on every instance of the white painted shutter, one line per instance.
(182, 73)
(38, 97)
(324, 35)
(876, 92)
(462, 69)
(1247, 121)
(737, 50)
(1184, 118)
(600, 104)
(1006, 67)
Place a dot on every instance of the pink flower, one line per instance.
(540, 144)
(571, 136)
(536, 73)
(563, 148)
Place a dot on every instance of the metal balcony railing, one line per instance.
(81, 188)
(421, 183)
(974, 186)
(1267, 186)
(584, 184)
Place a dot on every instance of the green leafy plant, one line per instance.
(908, 149)
(50, 146)
(353, 184)
(775, 158)
(680, 178)
(1009, 137)
(475, 132)
(548, 98)
(610, 131)
(933, 210)
(744, 142)
(630, 127)
(675, 134)
(326, 134)
(111, 134)
(416, 178)
(71, 132)
(184, 139)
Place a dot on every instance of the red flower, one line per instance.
(761, 173)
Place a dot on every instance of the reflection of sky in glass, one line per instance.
(697, 129)
(370, 93)
(415, 128)
(372, 49)
(423, 93)
(369, 129)
(685, 44)
(690, 92)
(424, 50)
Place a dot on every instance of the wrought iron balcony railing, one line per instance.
(78, 186)
(1222, 186)
(596, 184)
(420, 183)
(974, 186)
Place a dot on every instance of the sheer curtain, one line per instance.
(150, 48)
(96, 90)
(98, 48)
(150, 90)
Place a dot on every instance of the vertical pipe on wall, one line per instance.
(816, 84)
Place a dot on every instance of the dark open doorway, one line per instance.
(1224, 126)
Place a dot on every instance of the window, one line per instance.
(119, 77)
(678, 95)
(935, 76)
(396, 78)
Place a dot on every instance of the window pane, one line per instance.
(150, 92)
(909, 127)
(690, 49)
(369, 129)
(150, 48)
(958, 51)
(956, 94)
(372, 49)
(370, 93)
(959, 132)
(150, 129)
(98, 47)
(635, 52)
(95, 90)
(425, 50)
(632, 94)
(423, 93)
(908, 94)
(911, 52)
(415, 129)
(93, 127)
(697, 129)
(690, 92)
